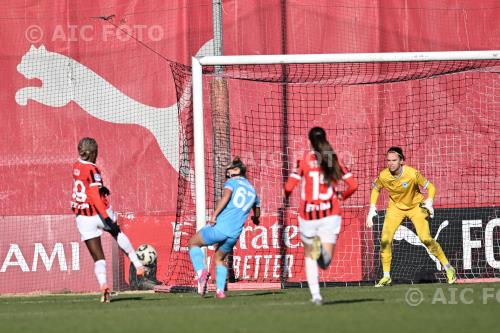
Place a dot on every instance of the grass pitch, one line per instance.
(457, 308)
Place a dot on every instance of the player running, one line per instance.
(94, 214)
(226, 224)
(405, 201)
(319, 213)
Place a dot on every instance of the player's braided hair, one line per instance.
(398, 151)
(329, 162)
(237, 163)
(86, 147)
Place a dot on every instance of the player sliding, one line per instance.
(405, 201)
(94, 214)
(319, 213)
(226, 224)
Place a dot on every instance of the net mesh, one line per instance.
(443, 113)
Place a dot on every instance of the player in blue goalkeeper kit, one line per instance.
(225, 227)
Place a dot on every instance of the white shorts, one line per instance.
(92, 226)
(326, 228)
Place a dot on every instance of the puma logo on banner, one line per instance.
(409, 236)
(65, 79)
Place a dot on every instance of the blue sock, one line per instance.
(196, 255)
(220, 276)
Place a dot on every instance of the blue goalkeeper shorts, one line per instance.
(211, 235)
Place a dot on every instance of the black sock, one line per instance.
(324, 259)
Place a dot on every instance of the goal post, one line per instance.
(441, 107)
(199, 146)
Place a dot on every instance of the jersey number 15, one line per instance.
(317, 180)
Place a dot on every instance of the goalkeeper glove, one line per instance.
(371, 214)
(427, 204)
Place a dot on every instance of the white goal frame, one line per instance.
(198, 63)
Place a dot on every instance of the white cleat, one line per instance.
(202, 282)
(317, 301)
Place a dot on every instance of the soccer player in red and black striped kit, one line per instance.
(94, 214)
(319, 211)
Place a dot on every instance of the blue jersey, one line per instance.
(243, 197)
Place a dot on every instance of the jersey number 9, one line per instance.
(79, 191)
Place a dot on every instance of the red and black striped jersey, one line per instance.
(317, 198)
(86, 199)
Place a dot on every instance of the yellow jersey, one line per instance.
(404, 191)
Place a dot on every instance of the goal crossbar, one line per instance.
(348, 58)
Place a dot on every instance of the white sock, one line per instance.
(125, 245)
(387, 274)
(100, 271)
(312, 277)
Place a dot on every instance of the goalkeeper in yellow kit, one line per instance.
(405, 200)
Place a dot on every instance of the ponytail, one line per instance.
(237, 163)
(326, 156)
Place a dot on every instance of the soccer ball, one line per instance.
(146, 254)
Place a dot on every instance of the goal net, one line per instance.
(445, 114)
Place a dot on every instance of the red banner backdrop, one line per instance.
(52, 259)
